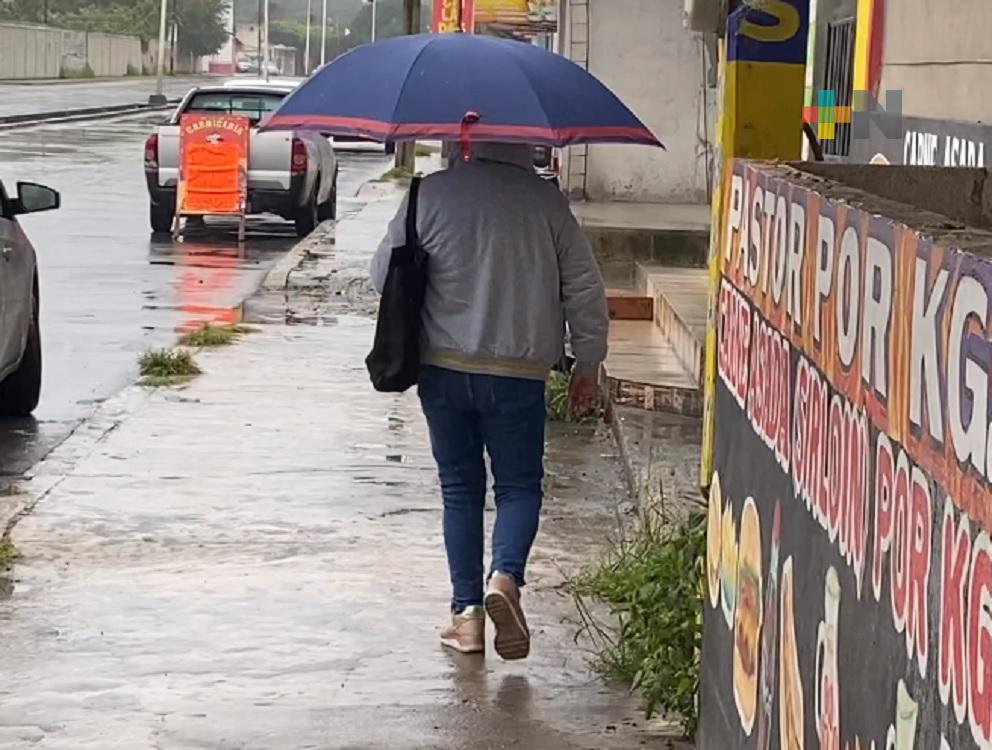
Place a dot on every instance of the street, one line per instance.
(108, 291)
(30, 98)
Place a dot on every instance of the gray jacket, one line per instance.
(508, 266)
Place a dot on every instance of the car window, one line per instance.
(4, 202)
(253, 105)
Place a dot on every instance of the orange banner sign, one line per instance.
(213, 157)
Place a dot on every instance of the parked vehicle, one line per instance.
(20, 333)
(546, 164)
(293, 175)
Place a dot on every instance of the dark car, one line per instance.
(20, 334)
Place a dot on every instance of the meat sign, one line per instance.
(849, 562)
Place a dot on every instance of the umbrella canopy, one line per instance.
(452, 86)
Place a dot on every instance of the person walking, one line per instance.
(508, 266)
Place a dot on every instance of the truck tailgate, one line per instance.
(269, 159)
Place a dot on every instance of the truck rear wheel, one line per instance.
(161, 216)
(21, 390)
(306, 217)
(329, 209)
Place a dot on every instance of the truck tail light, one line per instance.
(151, 152)
(300, 156)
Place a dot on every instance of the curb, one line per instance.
(53, 468)
(73, 115)
(277, 279)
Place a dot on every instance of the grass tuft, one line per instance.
(8, 554)
(652, 639)
(73, 74)
(212, 335)
(398, 174)
(165, 367)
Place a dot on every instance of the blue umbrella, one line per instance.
(451, 86)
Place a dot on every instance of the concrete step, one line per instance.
(680, 310)
(625, 234)
(628, 304)
(644, 371)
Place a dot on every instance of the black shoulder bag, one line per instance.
(394, 362)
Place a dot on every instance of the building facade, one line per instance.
(935, 58)
(640, 49)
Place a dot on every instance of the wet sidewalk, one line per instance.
(255, 561)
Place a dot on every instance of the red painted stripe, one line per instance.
(388, 131)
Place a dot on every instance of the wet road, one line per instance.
(108, 291)
(28, 98)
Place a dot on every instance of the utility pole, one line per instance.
(267, 45)
(258, 50)
(373, 21)
(306, 51)
(159, 96)
(406, 153)
(174, 37)
(323, 35)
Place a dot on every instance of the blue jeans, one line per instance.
(469, 415)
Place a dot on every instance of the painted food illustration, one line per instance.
(747, 622)
(714, 541)
(790, 716)
(728, 564)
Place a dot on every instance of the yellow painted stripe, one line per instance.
(862, 44)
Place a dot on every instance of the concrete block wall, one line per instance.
(30, 52)
(74, 55)
(184, 63)
(111, 55)
(38, 52)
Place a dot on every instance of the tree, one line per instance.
(388, 22)
(202, 29)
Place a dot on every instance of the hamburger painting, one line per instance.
(747, 620)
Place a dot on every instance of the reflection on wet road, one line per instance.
(108, 290)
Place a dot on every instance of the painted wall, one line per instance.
(849, 563)
(641, 50)
(941, 58)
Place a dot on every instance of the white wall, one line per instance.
(941, 58)
(40, 52)
(111, 55)
(641, 50)
(30, 52)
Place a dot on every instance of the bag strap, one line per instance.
(411, 213)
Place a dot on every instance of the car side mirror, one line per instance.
(33, 198)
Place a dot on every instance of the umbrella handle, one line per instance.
(464, 136)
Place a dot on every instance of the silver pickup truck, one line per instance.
(292, 175)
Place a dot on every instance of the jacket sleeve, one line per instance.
(583, 295)
(395, 237)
